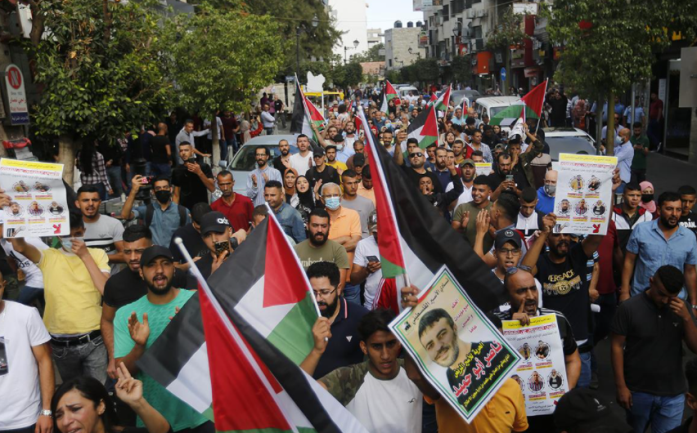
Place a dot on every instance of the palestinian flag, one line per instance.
(415, 240)
(305, 114)
(388, 95)
(243, 371)
(424, 127)
(529, 106)
(443, 101)
(535, 99)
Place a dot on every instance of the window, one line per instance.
(389, 62)
(477, 32)
(446, 12)
(457, 6)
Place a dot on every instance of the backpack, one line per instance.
(150, 211)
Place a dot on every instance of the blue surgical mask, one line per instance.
(67, 242)
(383, 118)
(618, 141)
(332, 203)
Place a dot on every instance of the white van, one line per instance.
(404, 91)
(492, 105)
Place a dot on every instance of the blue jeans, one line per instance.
(28, 294)
(114, 175)
(269, 131)
(584, 380)
(224, 147)
(161, 169)
(662, 413)
(88, 359)
(353, 293)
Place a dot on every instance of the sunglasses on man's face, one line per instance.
(419, 154)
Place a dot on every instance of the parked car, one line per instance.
(469, 96)
(405, 90)
(569, 140)
(244, 160)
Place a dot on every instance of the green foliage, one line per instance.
(220, 59)
(372, 55)
(347, 75)
(462, 69)
(98, 77)
(394, 76)
(422, 71)
(620, 45)
(509, 31)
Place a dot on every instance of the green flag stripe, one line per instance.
(427, 141)
(389, 269)
(285, 335)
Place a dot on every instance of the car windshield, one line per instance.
(245, 159)
(578, 145)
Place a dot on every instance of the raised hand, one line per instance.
(139, 331)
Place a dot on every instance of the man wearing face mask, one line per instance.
(74, 280)
(546, 193)
(624, 151)
(139, 324)
(344, 228)
(343, 150)
(162, 216)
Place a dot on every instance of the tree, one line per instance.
(609, 45)
(372, 55)
(347, 75)
(394, 76)
(220, 59)
(462, 69)
(99, 70)
(507, 35)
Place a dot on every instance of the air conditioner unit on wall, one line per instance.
(470, 14)
(481, 13)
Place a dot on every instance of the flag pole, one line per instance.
(241, 343)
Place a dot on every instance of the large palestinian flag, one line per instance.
(243, 371)
(388, 95)
(424, 127)
(415, 240)
(305, 114)
(443, 101)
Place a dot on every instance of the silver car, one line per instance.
(569, 140)
(245, 161)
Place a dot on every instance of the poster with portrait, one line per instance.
(38, 205)
(541, 373)
(583, 200)
(482, 168)
(457, 349)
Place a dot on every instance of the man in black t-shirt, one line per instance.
(161, 151)
(321, 171)
(128, 286)
(563, 275)
(191, 180)
(688, 219)
(648, 332)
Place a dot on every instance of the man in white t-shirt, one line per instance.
(377, 391)
(302, 161)
(366, 263)
(26, 370)
(101, 231)
(33, 278)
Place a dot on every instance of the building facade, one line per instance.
(351, 19)
(402, 46)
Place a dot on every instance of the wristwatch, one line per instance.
(46, 412)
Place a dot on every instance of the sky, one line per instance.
(383, 13)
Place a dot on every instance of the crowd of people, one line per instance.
(93, 302)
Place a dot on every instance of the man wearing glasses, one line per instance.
(417, 168)
(343, 348)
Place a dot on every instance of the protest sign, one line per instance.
(583, 200)
(482, 168)
(457, 349)
(38, 204)
(541, 373)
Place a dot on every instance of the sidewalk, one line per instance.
(668, 174)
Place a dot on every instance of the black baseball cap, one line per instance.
(153, 252)
(582, 410)
(359, 160)
(319, 151)
(507, 235)
(214, 222)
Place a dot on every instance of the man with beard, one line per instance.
(465, 215)
(127, 286)
(301, 161)
(321, 172)
(282, 161)
(163, 217)
(505, 178)
(442, 171)
(318, 247)
(529, 219)
(101, 231)
(468, 172)
(351, 200)
(332, 161)
(261, 175)
(349, 137)
(138, 325)
(476, 144)
(359, 149)
(490, 138)
(417, 169)
(563, 273)
(343, 348)
(236, 207)
(658, 243)
(460, 151)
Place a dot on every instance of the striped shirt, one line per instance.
(98, 174)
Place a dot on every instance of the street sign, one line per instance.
(503, 74)
(290, 78)
(16, 96)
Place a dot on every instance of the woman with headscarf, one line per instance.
(289, 178)
(647, 201)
